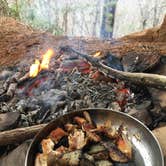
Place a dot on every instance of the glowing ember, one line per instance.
(97, 54)
(37, 66)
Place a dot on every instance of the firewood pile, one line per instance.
(126, 75)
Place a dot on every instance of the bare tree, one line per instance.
(108, 18)
(97, 13)
(4, 9)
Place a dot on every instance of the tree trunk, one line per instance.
(108, 19)
(4, 9)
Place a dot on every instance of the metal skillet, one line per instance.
(146, 149)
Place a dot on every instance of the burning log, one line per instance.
(23, 78)
(13, 79)
(10, 86)
(19, 135)
(153, 80)
(11, 89)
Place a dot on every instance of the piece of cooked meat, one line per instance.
(41, 159)
(61, 150)
(109, 132)
(85, 143)
(77, 140)
(88, 127)
(107, 129)
(79, 120)
(87, 117)
(124, 145)
(70, 127)
(57, 134)
(92, 136)
(47, 145)
(114, 153)
(52, 158)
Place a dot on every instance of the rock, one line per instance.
(141, 113)
(9, 120)
(158, 95)
(160, 133)
(16, 157)
(132, 16)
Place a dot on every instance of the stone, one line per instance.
(9, 120)
(141, 113)
(16, 157)
(135, 15)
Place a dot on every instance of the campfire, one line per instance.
(68, 78)
(43, 65)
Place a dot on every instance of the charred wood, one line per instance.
(153, 80)
(9, 87)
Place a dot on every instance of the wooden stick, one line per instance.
(24, 78)
(19, 135)
(153, 80)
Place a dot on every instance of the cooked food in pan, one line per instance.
(85, 143)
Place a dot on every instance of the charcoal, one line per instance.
(113, 62)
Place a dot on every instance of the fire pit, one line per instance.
(139, 135)
(66, 74)
(58, 83)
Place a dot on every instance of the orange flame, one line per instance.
(34, 69)
(97, 54)
(46, 59)
(37, 66)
